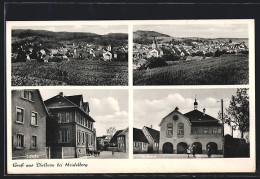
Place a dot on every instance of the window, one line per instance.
(20, 140)
(19, 115)
(83, 137)
(91, 139)
(34, 119)
(215, 131)
(180, 129)
(34, 142)
(64, 136)
(31, 96)
(78, 137)
(123, 144)
(156, 144)
(169, 129)
(91, 125)
(63, 118)
(205, 131)
(24, 94)
(86, 134)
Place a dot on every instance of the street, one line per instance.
(184, 156)
(108, 155)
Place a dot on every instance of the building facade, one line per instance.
(28, 125)
(153, 137)
(140, 142)
(123, 141)
(70, 128)
(179, 131)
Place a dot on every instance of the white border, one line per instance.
(137, 165)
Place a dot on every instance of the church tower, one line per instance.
(154, 45)
(195, 104)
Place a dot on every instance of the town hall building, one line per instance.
(179, 131)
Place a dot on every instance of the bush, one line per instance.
(155, 62)
(55, 59)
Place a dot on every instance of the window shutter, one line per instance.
(14, 137)
(68, 135)
(59, 117)
(67, 117)
(23, 141)
(31, 141)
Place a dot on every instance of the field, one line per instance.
(74, 72)
(224, 70)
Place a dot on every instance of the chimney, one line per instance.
(151, 126)
(176, 109)
(204, 110)
(61, 93)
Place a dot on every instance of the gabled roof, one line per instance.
(139, 136)
(67, 103)
(45, 109)
(75, 99)
(124, 132)
(197, 118)
(114, 138)
(154, 134)
(177, 111)
(86, 105)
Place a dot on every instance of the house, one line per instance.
(155, 51)
(140, 142)
(113, 141)
(28, 125)
(103, 142)
(123, 141)
(153, 137)
(70, 129)
(179, 131)
(107, 56)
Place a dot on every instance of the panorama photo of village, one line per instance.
(191, 123)
(69, 124)
(190, 54)
(69, 55)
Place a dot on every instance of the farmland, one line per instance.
(74, 72)
(228, 69)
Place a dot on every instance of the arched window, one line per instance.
(169, 129)
(180, 129)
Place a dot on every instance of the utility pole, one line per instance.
(223, 137)
(222, 133)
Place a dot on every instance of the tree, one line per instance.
(230, 41)
(238, 111)
(111, 131)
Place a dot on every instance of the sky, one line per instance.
(109, 108)
(97, 29)
(150, 106)
(199, 30)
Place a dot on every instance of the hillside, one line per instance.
(55, 39)
(148, 34)
(223, 70)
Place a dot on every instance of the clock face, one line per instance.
(175, 117)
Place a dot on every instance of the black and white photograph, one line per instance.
(79, 100)
(59, 55)
(69, 124)
(191, 54)
(191, 123)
